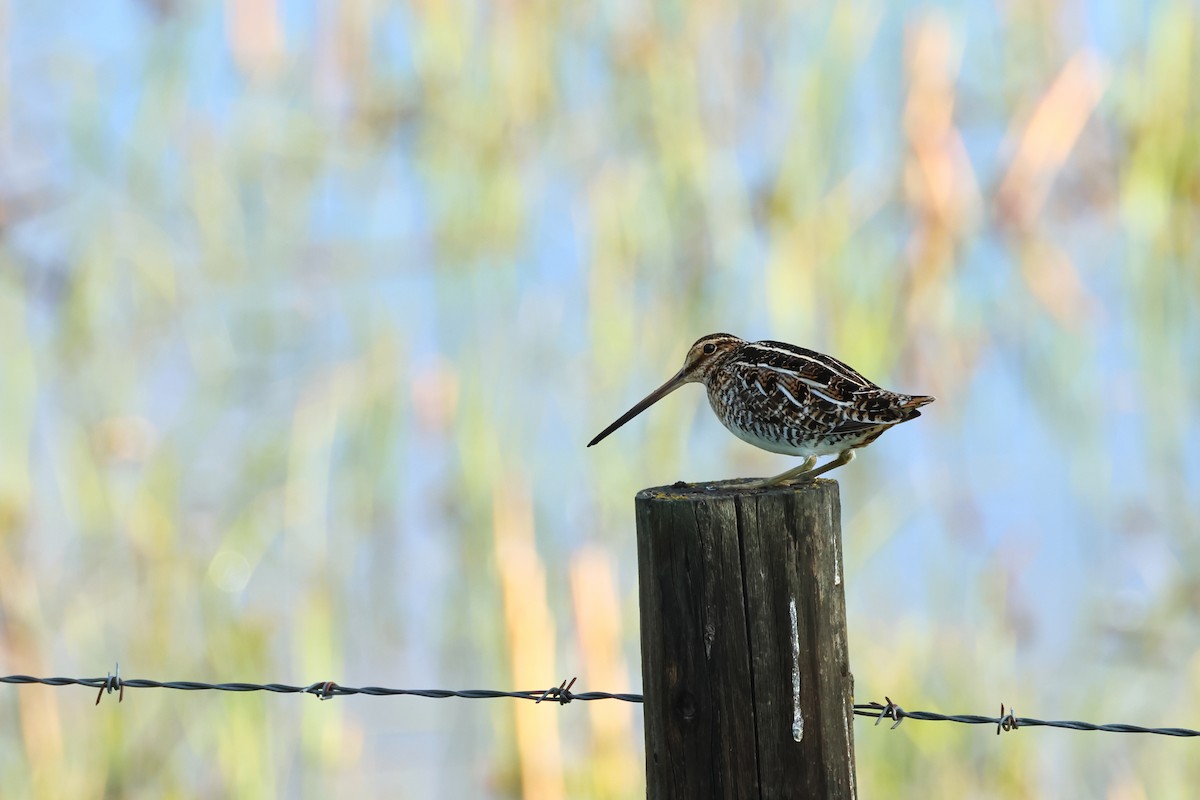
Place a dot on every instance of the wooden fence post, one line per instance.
(745, 673)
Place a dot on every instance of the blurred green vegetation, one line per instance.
(306, 314)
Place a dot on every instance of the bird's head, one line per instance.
(707, 355)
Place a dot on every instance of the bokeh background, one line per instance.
(308, 309)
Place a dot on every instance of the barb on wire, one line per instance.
(112, 682)
(562, 693)
(322, 689)
(890, 711)
(1007, 721)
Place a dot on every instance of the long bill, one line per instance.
(678, 380)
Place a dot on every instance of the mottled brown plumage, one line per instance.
(786, 399)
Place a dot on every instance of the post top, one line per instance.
(730, 488)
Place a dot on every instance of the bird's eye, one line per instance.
(709, 349)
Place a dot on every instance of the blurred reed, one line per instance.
(306, 315)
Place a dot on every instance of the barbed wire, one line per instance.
(562, 694)
(1007, 721)
(324, 690)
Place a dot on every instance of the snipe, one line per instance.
(786, 399)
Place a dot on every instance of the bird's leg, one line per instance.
(785, 476)
(844, 457)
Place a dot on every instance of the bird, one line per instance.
(786, 399)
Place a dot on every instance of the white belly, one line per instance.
(772, 445)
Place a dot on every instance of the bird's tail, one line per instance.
(913, 403)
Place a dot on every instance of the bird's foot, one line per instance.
(799, 473)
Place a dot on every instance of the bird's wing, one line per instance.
(812, 395)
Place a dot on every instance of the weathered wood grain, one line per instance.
(743, 614)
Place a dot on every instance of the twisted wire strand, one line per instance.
(562, 694)
(325, 689)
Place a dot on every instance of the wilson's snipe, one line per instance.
(786, 399)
